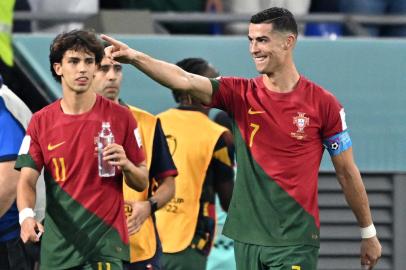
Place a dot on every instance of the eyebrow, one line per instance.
(256, 38)
(78, 58)
(73, 58)
(111, 65)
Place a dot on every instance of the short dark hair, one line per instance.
(197, 66)
(77, 40)
(281, 19)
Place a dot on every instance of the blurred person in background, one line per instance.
(241, 6)
(204, 157)
(145, 245)
(377, 7)
(209, 6)
(74, 7)
(14, 118)
(222, 253)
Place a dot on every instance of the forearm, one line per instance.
(172, 76)
(165, 191)
(26, 189)
(136, 177)
(356, 196)
(167, 74)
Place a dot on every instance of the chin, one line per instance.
(82, 89)
(261, 71)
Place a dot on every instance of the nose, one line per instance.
(253, 47)
(111, 75)
(82, 67)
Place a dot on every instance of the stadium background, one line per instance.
(368, 77)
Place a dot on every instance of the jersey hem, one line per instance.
(275, 244)
(8, 157)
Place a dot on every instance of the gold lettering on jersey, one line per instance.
(173, 205)
(52, 147)
(300, 121)
(128, 209)
(60, 169)
(254, 131)
(251, 111)
(172, 143)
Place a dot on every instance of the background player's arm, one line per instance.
(224, 191)
(223, 168)
(163, 169)
(141, 210)
(351, 183)
(167, 74)
(8, 184)
(26, 196)
(165, 191)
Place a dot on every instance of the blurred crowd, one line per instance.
(298, 8)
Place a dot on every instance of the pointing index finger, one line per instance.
(111, 40)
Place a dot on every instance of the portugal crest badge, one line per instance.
(300, 121)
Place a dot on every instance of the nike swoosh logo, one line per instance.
(251, 111)
(52, 147)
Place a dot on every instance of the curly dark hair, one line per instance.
(197, 66)
(281, 19)
(77, 40)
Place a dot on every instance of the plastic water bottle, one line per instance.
(105, 138)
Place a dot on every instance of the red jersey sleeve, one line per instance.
(227, 93)
(333, 116)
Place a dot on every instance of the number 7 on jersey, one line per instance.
(254, 131)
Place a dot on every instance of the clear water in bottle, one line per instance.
(105, 138)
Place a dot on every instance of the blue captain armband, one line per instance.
(338, 143)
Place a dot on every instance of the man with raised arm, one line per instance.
(282, 124)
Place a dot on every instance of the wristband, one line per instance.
(368, 232)
(25, 213)
(154, 205)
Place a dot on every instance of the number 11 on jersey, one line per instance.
(60, 169)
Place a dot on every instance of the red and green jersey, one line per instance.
(84, 213)
(279, 146)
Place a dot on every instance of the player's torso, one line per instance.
(285, 126)
(278, 149)
(68, 145)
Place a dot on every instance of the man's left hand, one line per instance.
(371, 251)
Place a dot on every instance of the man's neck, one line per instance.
(282, 81)
(74, 103)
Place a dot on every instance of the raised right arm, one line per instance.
(167, 74)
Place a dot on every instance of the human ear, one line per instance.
(58, 68)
